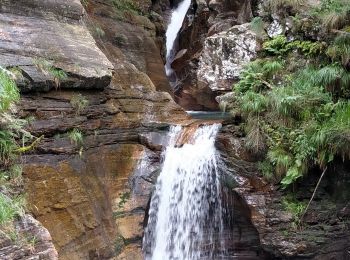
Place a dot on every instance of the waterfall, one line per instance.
(185, 217)
(177, 18)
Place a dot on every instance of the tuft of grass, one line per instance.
(99, 32)
(85, 3)
(9, 92)
(255, 140)
(76, 137)
(257, 26)
(295, 207)
(7, 147)
(124, 9)
(79, 103)
(47, 67)
(10, 208)
(333, 14)
(281, 6)
(340, 49)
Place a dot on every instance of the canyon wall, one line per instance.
(96, 71)
(93, 85)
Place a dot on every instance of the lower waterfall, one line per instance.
(186, 216)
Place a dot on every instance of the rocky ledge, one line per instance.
(89, 79)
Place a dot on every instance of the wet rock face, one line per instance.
(86, 202)
(211, 54)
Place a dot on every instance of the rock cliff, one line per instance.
(96, 71)
(214, 44)
(93, 85)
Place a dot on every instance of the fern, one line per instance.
(253, 103)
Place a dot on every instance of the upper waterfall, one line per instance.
(177, 18)
(185, 217)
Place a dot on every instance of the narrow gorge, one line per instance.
(174, 129)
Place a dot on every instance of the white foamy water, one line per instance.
(185, 217)
(177, 18)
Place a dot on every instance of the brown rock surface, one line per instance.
(90, 194)
(132, 38)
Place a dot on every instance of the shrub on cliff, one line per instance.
(11, 205)
(294, 100)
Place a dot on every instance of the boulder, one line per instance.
(32, 241)
(48, 43)
(224, 56)
(203, 37)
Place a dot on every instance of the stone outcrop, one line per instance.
(90, 190)
(205, 41)
(224, 55)
(40, 39)
(32, 241)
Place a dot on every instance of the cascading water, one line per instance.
(185, 216)
(177, 18)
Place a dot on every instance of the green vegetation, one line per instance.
(9, 92)
(7, 147)
(76, 137)
(280, 46)
(99, 32)
(10, 208)
(124, 8)
(47, 67)
(295, 207)
(84, 2)
(79, 103)
(11, 130)
(124, 197)
(294, 99)
(332, 14)
(119, 244)
(257, 26)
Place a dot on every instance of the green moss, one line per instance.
(119, 244)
